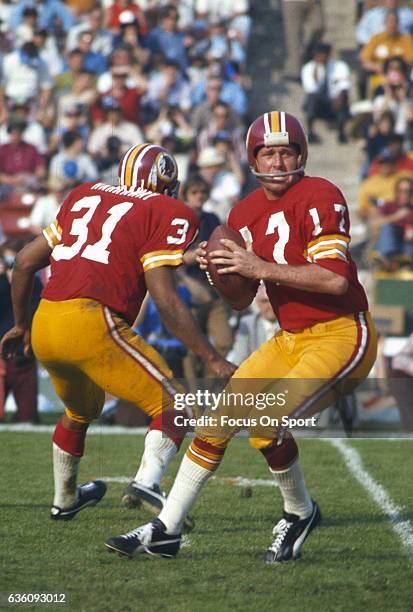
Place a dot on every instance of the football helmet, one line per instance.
(273, 129)
(149, 166)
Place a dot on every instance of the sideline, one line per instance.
(354, 463)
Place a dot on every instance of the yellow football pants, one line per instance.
(310, 369)
(87, 350)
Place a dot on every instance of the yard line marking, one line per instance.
(237, 481)
(354, 463)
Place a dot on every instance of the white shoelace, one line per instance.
(280, 530)
(144, 534)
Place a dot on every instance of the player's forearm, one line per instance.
(308, 277)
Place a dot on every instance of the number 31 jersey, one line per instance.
(308, 224)
(105, 238)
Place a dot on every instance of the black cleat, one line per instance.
(88, 494)
(290, 533)
(150, 498)
(150, 538)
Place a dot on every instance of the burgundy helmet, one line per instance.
(272, 129)
(149, 166)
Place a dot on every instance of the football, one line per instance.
(233, 288)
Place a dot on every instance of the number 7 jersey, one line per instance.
(105, 238)
(308, 224)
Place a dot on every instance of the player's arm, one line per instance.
(179, 320)
(307, 277)
(33, 257)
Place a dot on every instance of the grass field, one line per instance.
(354, 561)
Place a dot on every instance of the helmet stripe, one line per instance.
(267, 128)
(275, 121)
(128, 164)
(142, 151)
(282, 121)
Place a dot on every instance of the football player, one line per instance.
(106, 248)
(298, 230)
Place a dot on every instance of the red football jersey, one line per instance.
(308, 224)
(105, 238)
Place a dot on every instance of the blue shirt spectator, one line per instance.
(232, 93)
(167, 41)
(372, 22)
(49, 11)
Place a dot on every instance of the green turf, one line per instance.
(353, 562)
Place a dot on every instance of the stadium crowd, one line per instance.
(82, 80)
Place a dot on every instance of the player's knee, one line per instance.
(278, 456)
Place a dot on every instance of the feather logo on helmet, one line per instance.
(166, 167)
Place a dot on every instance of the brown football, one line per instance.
(233, 288)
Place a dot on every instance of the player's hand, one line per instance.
(15, 342)
(200, 253)
(220, 367)
(236, 259)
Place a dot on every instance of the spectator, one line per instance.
(26, 76)
(404, 161)
(73, 119)
(224, 186)
(127, 94)
(108, 162)
(152, 329)
(373, 20)
(24, 32)
(18, 375)
(48, 51)
(53, 15)
(47, 205)
(114, 125)
(378, 135)
(231, 92)
(396, 98)
(118, 7)
(167, 41)
(129, 36)
(389, 43)
(394, 220)
(326, 83)
(64, 81)
(380, 188)
(92, 61)
(21, 165)
(101, 37)
(79, 98)
(303, 22)
(210, 311)
(202, 114)
(221, 121)
(166, 85)
(254, 328)
(233, 12)
(72, 165)
(171, 122)
(34, 132)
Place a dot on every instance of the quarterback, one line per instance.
(298, 230)
(106, 248)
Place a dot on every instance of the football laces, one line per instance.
(209, 278)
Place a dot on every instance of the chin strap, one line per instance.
(274, 175)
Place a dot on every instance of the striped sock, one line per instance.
(159, 452)
(198, 464)
(293, 490)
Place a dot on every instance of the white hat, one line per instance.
(210, 157)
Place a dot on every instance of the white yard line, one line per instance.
(354, 463)
(237, 481)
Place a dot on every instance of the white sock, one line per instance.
(65, 468)
(187, 485)
(159, 452)
(295, 495)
